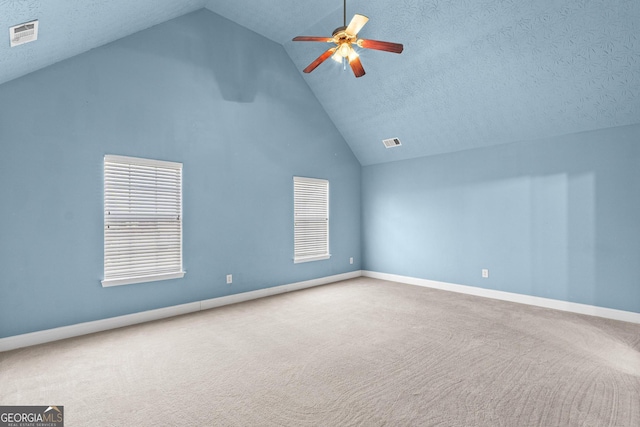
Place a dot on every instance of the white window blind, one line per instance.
(142, 220)
(311, 219)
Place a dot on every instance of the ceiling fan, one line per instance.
(345, 37)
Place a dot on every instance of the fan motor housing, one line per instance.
(341, 36)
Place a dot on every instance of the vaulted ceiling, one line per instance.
(473, 73)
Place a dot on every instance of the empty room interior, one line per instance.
(327, 213)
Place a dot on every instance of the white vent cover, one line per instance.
(24, 33)
(391, 142)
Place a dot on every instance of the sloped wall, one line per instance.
(228, 104)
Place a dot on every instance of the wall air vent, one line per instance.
(23, 33)
(391, 142)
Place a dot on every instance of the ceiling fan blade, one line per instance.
(319, 60)
(357, 67)
(378, 45)
(312, 39)
(356, 24)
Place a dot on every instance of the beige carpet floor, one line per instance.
(362, 352)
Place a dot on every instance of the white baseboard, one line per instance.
(55, 334)
(41, 337)
(591, 310)
(261, 293)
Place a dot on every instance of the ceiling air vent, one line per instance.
(392, 142)
(24, 33)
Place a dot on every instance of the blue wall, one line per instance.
(227, 103)
(556, 218)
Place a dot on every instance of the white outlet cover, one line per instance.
(229, 278)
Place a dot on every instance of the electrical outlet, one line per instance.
(485, 273)
(229, 278)
(351, 260)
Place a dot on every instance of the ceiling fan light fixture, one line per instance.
(345, 38)
(345, 50)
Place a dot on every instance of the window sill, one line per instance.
(142, 279)
(311, 258)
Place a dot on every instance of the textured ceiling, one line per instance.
(473, 73)
(70, 27)
(477, 73)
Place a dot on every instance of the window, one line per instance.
(142, 220)
(311, 219)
